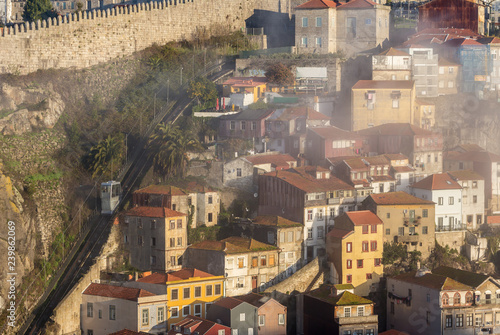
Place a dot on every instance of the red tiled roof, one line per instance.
(397, 198)
(234, 245)
(393, 52)
(118, 292)
(433, 281)
(296, 112)
(377, 160)
(384, 84)
(245, 81)
(318, 4)
(356, 163)
(275, 220)
(493, 219)
(228, 302)
(473, 156)
(400, 169)
(331, 132)
(153, 212)
(162, 278)
(194, 186)
(382, 178)
(465, 175)
(161, 189)
(437, 181)
(339, 233)
(394, 157)
(199, 325)
(469, 147)
(359, 218)
(302, 179)
(360, 4)
(401, 129)
(278, 159)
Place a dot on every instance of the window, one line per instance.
(262, 320)
(450, 70)
(238, 172)
(425, 213)
(309, 215)
(210, 199)
(305, 22)
(217, 289)
(153, 241)
(309, 233)
(395, 103)
(145, 317)
(263, 260)
(446, 300)
(290, 237)
(172, 224)
(255, 261)
(441, 70)
(174, 294)
(371, 331)
(401, 231)
(425, 230)
(186, 293)
(388, 231)
(349, 264)
(474, 199)
(365, 229)
(474, 184)
(139, 240)
(139, 223)
(479, 320)
(412, 231)
(321, 232)
(468, 298)
(304, 41)
(388, 215)
(186, 310)
(349, 279)
(161, 314)
(468, 320)
(197, 291)
(253, 126)
(281, 319)
(456, 299)
(364, 246)
(373, 228)
(359, 263)
(210, 217)
(459, 320)
(243, 125)
(351, 27)
(440, 201)
(197, 310)
(348, 247)
(232, 125)
(378, 261)
(234, 331)
(241, 262)
(271, 260)
(179, 241)
(368, 276)
(208, 290)
(318, 22)
(373, 245)
(90, 310)
(449, 321)
(361, 310)
(347, 312)
(240, 282)
(90, 332)
(451, 200)
(242, 316)
(174, 312)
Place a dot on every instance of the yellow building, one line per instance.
(189, 292)
(354, 248)
(377, 102)
(254, 85)
(425, 112)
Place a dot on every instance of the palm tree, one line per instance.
(106, 156)
(170, 146)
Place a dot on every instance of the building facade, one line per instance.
(472, 197)
(391, 64)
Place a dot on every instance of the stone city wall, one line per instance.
(87, 38)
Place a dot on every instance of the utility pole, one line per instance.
(181, 75)
(168, 90)
(154, 107)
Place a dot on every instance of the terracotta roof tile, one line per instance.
(118, 292)
(397, 198)
(194, 186)
(377, 160)
(161, 189)
(274, 220)
(433, 281)
(382, 178)
(339, 233)
(163, 278)
(276, 159)
(302, 179)
(331, 132)
(357, 163)
(128, 332)
(468, 278)
(318, 4)
(254, 299)
(360, 4)
(153, 212)
(465, 175)
(401, 129)
(394, 157)
(359, 218)
(234, 245)
(384, 84)
(199, 325)
(228, 302)
(401, 169)
(437, 181)
(345, 298)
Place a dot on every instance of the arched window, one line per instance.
(446, 299)
(456, 299)
(469, 298)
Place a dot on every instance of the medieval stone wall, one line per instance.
(88, 38)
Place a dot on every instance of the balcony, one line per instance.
(408, 238)
(455, 227)
(348, 199)
(333, 201)
(486, 302)
(357, 320)
(411, 222)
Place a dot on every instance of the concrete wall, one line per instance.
(453, 239)
(88, 38)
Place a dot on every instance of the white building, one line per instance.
(424, 70)
(5, 11)
(402, 171)
(472, 197)
(447, 194)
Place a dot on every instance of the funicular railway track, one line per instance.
(89, 245)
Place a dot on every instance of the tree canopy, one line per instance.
(280, 74)
(106, 156)
(203, 90)
(38, 10)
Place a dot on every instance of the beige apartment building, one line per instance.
(425, 112)
(407, 219)
(377, 102)
(448, 77)
(156, 238)
(391, 64)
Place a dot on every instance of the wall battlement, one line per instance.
(87, 38)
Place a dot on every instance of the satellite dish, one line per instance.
(263, 140)
(255, 195)
(331, 167)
